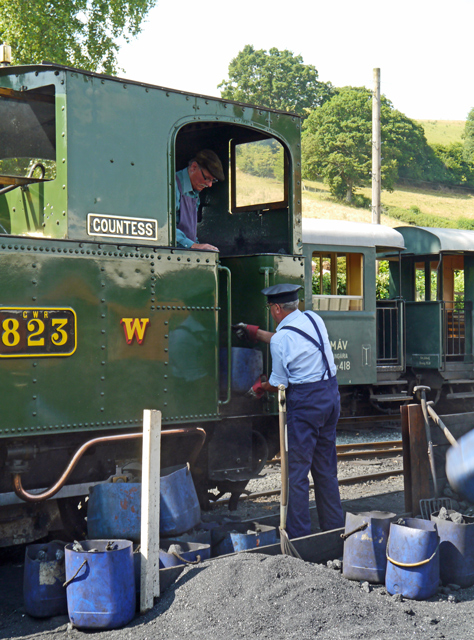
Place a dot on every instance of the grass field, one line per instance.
(443, 131)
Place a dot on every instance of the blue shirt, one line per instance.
(296, 360)
(183, 175)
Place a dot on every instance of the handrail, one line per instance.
(229, 333)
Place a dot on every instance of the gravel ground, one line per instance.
(277, 597)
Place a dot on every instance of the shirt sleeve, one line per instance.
(279, 373)
(182, 240)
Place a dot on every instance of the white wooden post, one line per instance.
(150, 518)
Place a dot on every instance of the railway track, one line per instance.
(348, 452)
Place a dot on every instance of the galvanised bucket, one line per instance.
(365, 545)
(456, 550)
(100, 584)
(413, 559)
(43, 579)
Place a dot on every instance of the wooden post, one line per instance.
(376, 150)
(150, 517)
(419, 462)
(407, 485)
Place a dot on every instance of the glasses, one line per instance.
(207, 178)
(270, 304)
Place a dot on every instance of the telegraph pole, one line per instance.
(376, 150)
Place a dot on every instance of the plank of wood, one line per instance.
(150, 511)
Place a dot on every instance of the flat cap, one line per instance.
(210, 161)
(280, 293)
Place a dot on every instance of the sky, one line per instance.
(424, 49)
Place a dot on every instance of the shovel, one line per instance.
(286, 546)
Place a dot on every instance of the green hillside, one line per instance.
(443, 131)
(425, 207)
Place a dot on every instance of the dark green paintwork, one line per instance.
(108, 382)
(118, 146)
(424, 339)
(352, 333)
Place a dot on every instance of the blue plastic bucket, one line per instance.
(114, 511)
(365, 551)
(179, 504)
(234, 537)
(100, 584)
(413, 559)
(43, 579)
(246, 366)
(460, 466)
(190, 552)
(456, 550)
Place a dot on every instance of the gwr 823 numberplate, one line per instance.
(37, 331)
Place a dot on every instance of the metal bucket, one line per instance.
(234, 537)
(365, 550)
(114, 511)
(460, 466)
(43, 579)
(179, 504)
(413, 559)
(456, 550)
(246, 366)
(100, 584)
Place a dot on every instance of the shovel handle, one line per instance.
(283, 446)
(437, 420)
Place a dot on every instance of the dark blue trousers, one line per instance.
(312, 414)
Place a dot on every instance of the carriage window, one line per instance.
(426, 281)
(258, 175)
(28, 135)
(337, 281)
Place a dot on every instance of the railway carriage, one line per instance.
(101, 315)
(438, 287)
(367, 335)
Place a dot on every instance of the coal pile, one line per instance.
(278, 597)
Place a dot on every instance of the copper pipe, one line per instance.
(49, 493)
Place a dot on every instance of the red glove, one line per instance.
(252, 332)
(257, 391)
(248, 331)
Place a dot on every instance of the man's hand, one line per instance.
(204, 247)
(248, 331)
(257, 391)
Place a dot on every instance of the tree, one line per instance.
(337, 142)
(79, 33)
(469, 138)
(275, 79)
